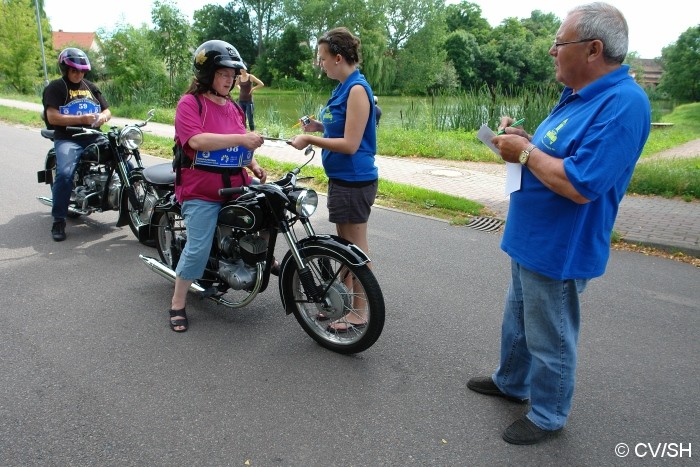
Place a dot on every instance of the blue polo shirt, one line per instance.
(358, 167)
(600, 132)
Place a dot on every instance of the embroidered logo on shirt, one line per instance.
(327, 115)
(551, 136)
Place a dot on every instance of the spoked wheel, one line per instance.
(349, 317)
(170, 236)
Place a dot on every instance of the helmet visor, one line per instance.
(229, 62)
(77, 62)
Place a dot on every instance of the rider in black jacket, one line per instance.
(70, 101)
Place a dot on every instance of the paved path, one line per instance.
(649, 220)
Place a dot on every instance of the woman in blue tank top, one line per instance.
(349, 144)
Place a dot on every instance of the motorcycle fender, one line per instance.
(335, 246)
(123, 215)
(144, 231)
(46, 175)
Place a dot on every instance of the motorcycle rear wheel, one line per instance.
(351, 294)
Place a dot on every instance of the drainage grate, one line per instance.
(486, 224)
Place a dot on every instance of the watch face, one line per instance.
(524, 156)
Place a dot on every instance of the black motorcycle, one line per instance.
(323, 279)
(108, 177)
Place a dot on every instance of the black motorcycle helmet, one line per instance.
(73, 58)
(213, 55)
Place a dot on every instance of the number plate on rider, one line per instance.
(228, 157)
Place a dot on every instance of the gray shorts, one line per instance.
(350, 204)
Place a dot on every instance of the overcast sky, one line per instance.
(653, 25)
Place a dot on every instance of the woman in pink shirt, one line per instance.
(208, 126)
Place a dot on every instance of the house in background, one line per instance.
(86, 41)
(651, 72)
(647, 72)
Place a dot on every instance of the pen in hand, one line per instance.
(515, 123)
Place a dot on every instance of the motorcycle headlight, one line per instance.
(131, 137)
(304, 201)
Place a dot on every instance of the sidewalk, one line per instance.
(648, 220)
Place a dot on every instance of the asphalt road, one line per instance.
(92, 375)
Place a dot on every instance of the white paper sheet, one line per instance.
(513, 170)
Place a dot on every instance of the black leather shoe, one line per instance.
(58, 230)
(485, 385)
(523, 432)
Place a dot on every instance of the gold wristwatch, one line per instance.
(525, 155)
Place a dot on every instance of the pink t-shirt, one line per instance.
(215, 118)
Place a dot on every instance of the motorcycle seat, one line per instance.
(160, 174)
(48, 134)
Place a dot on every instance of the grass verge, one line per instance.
(675, 177)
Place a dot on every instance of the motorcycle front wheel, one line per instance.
(147, 198)
(348, 317)
(170, 236)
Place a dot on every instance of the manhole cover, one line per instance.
(486, 224)
(446, 173)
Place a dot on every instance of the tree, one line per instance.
(542, 24)
(423, 57)
(405, 18)
(20, 50)
(226, 24)
(267, 17)
(136, 69)
(288, 55)
(464, 53)
(172, 38)
(466, 16)
(681, 76)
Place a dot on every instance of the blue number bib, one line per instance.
(80, 107)
(224, 158)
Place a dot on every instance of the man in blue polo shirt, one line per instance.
(576, 168)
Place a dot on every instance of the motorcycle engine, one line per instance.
(115, 187)
(93, 187)
(90, 190)
(237, 274)
(239, 270)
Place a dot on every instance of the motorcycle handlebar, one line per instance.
(239, 190)
(82, 129)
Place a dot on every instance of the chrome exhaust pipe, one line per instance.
(163, 270)
(45, 200)
(49, 202)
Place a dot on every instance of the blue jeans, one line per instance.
(538, 344)
(248, 108)
(68, 152)
(200, 221)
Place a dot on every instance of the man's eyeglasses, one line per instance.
(227, 75)
(556, 45)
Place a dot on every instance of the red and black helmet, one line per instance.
(73, 58)
(213, 55)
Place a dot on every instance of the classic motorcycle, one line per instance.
(324, 280)
(106, 179)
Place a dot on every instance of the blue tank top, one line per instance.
(358, 167)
